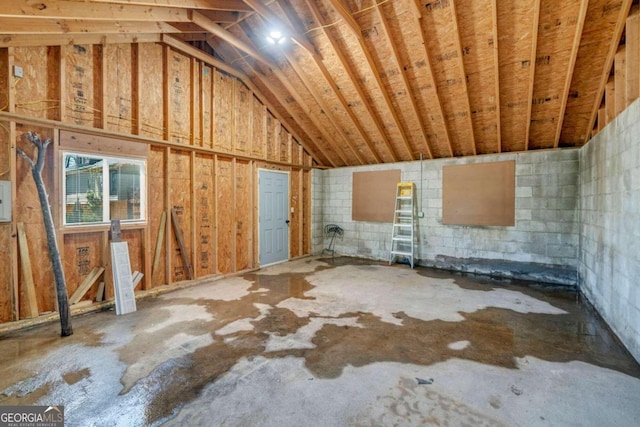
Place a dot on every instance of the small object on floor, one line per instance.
(516, 390)
(421, 381)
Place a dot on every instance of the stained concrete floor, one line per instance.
(332, 342)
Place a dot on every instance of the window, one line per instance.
(98, 189)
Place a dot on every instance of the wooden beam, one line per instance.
(27, 274)
(405, 80)
(354, 81)
(231, 5)
(496, 61)
(532, 69)
(90, 11)
(625, 6)
(273, 19)
(86, 285)
(69, 26)
(344, 13)
(464, 76)
(26, 40)
(572, 64)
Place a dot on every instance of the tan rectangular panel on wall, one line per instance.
(259, 136)
(82, 253)
(374, 195)
(285, 145)
(156, 200)
(180, 193)
(151, 95)
(223, 111)
(32, 92)
(479, 194)
(272, 126)
(243, 118)
(6, 289)
(225, 214)
(243, 213)
(118, 96)
(205, 216)
(295, 216)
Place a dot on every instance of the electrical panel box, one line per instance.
(5, 201)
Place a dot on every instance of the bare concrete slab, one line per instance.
(334, 341)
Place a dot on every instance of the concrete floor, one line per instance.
(331, 342)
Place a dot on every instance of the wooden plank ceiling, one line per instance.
(367, 82)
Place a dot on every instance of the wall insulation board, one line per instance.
(180, 200)
(243, 215)
(118, 98)
(151, 99)
(479, 194)
(225, 216)
(223, 110)
(157, 203)
(205, 262)
(374, 195)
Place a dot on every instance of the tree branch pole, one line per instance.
(52, 242)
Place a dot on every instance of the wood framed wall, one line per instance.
(204, 132)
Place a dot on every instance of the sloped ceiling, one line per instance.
(365, 82)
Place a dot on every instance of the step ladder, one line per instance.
(404, 220)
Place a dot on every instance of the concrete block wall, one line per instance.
(609, 257)
(541, 246)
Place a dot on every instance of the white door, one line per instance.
(274, 217)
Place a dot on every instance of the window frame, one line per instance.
(106, 159)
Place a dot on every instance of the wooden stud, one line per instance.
(166, 99)
(86, 285)
(159, 242)
(136, 87)
(167, 199)
(100, 292)
(192, 218)
(27, 274)
(496, 59)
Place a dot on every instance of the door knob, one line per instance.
(287, 221)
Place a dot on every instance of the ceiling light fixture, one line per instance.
(276, 37)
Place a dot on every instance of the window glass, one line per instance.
(99, 189)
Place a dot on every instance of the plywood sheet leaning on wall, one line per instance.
(223, 108)
(118, 96)
(243, 215)
(81, 254)
(296, 213)
(205, 262)
(35, 93)
(180, 198)
(28, 211)
(225, 214)
(151, 98)
(135, 241)
(179, 97)
(157, 205)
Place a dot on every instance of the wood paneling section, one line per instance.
(180, 193)
(225, 214)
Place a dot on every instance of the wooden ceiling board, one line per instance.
(439, 26)
(476, 22)
(599, 43)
